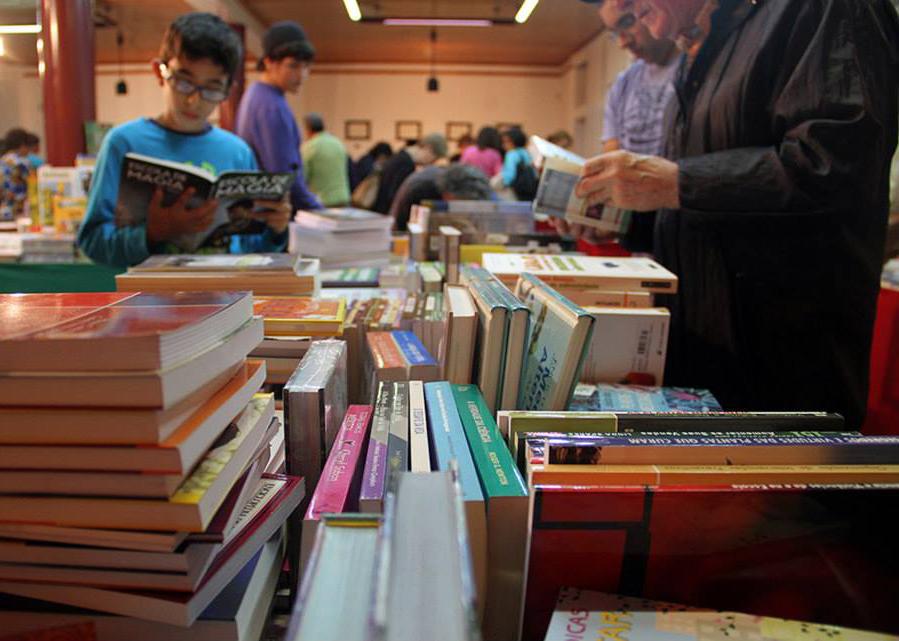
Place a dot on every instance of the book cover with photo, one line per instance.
(142, 175)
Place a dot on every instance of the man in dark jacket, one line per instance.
(776, 195)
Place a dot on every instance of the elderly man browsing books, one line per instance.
(166, 202)
(774, 196)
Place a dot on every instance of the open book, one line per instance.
(556, 193)
(235, 190)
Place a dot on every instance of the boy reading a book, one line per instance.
(199, 57)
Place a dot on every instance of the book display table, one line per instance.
(43, 278)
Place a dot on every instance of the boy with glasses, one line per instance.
(199, 57)
(264, 118)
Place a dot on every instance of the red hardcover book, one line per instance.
(814, 553)
(114, 331)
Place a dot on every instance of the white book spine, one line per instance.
(420, 452)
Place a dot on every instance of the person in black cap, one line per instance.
(264, 118)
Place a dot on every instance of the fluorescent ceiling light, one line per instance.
(527, 8)
(435, 22)
(352, 9)
(19, 28)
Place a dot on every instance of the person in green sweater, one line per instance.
(325, 163)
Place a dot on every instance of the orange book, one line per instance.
(300, 315)
(384, 351)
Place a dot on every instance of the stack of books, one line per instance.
(139, 486)
(343, 237)
(291, 324)
(579, 277)
(263, 274)
(479, 221)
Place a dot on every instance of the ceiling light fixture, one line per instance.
(352, 9)
(527, 8)
(2, 48)
(435, 22)
(12, 29)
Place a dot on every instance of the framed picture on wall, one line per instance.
(408, 129)
(455, 130)
(502, 126)
(357, 129)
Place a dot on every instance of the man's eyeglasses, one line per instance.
(188, 88)
(624, 25)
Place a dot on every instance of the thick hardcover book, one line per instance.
(558, 344)
(398, 441)
(300, 316)
(619, 274)
(315, 401)
(114, 331)
(628, 346)
(374, 475)
(506, 495)
(458, 344)
(235, 190)
(608, 397)
(805, 552)
(493, 328)
(582, 614)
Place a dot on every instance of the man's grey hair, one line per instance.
(314, 123)
(465, 182)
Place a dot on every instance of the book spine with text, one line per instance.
(374, 475)
(419, 449)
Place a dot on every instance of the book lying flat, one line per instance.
(173, 607)
(160, 389)
(619, 274)
(114, 331)
(179, 426)
(343, 219)
(300, 316)
(142, 175)
(238, 613)
(601, 614)
(608, 397)
(191, 508)
(260, 265)
(175, 456)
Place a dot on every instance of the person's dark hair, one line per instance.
(489, 138)
(381, 149)
(203, 35)
(516, 135)
(465, 182)
(33, 139)
(285, 39)
(14, 139)
(314, 123)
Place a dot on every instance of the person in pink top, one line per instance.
(486, 154)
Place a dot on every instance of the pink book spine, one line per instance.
(336, 479)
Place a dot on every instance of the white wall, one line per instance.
(540, 98)
(22, 102)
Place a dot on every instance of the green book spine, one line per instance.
(496, 469)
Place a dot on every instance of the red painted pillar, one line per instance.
(228, 109)
(67, 76)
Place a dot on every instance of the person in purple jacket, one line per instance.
(264, 118)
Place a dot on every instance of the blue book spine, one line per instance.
(412, 349)
(448, 438)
